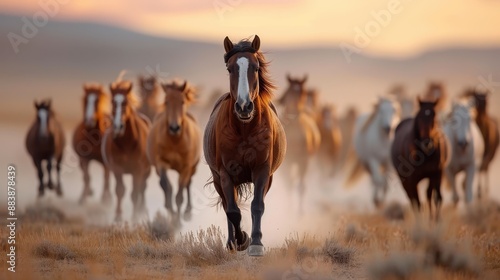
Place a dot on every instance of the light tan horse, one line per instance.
(124, 146)
(150, 97)
(302, 132)
(175, 143)
(88, 135)
(331, 141)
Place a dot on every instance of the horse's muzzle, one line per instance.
(463, 144)
(90, 123)
(118, 130)
(244, 112)
(174, 129)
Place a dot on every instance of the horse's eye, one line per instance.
(256, 69)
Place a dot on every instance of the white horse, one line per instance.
(372, 141)
(467, 148)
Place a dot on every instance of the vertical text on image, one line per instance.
(11, 217)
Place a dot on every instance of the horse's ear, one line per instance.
(419, 101)
(164, 87)
(37, 105)
(289, 78)
(129, 89)
(256, 43)
(228, 45)
(183, 86)
(112, 87)
(304, 79)
(85, 87)
(49, 102)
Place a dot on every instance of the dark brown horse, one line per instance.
(244, 141)
(302, 133)
(174, 143)
(150, 97)
(490, 132)
(124, 147)
(88, 135)
(45, 142)
(420, 150)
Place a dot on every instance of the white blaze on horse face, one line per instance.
(43, 114)
(243, 87)
(89, 111)
(119, 98)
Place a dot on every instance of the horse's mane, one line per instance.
(430, 96)
(104, 101)
(266, 85)
(370, 119)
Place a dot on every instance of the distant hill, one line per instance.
(63, 55)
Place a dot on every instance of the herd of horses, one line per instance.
(245, 141)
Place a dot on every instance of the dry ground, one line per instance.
(389, 244)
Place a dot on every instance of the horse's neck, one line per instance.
(131, 128)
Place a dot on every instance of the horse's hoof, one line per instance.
(118, 219)
(187, 216)
(256, 250)
(59, 192)
(244, 244)
(50, 186)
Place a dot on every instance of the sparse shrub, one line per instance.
(49, 249)
(43, 213)
(396, 266)
(207, 247)
(161, 228)
(141, 250)
(353, 233)
(394, 211)
(336, 253)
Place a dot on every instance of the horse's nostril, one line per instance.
(249, 107)
(174, 128)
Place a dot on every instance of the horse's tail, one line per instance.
(356, 173)
(121, 75)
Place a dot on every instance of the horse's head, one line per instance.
(147, 84)
(177, 99)
(460, 119)
(121, 94)
(295, 97)
(386, 114)
(425, 123)
(327, 116)
(43, 113)
(93, 94)
(480, 101)
(246, 67)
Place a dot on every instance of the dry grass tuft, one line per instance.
(43, 213)
(354, 233)
(336, 253)
(51, 250)
(398, 265)
(483, 216)
(161, 228)
(394, 211)
(206, 247)
(141, 250)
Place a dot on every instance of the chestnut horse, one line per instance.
(302, 132)
(244, 141)
(420, 150)
(124, 147)
(88, 135)
(331, 140)
(489, 130)
(150, 97)
(45, 142)
(174, 143)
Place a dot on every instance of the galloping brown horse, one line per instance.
(174, 143)
(124, 146)
(150, 95)
(244, 141)
(302, 132)
(420, 150)
(489, 130)
(45, 142)
(88, 134)
(331, 140)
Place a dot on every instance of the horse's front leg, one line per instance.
(167, 189)
(233, 213)
(87, 190)
(435, 186)
(106, 193)
(262, 182)
(468, 182)
(58, 169)
(450, 177)
(41, 186)
(50, 184)
(378, 180)
(120, 192)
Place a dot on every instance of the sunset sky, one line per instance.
(413, 26)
